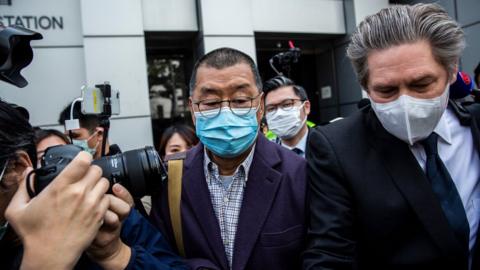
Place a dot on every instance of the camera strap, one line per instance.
(175, 171)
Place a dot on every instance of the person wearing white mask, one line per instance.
(286, 110)
(396, 184)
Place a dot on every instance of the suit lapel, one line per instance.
(258, 197)
(410, 179)
(308, 139)
(196, 189)
(476, 141)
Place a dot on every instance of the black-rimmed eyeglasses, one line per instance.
(286, 105)
(240, 105)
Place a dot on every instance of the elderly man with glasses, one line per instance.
(243, 198)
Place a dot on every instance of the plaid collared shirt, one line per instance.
(227, 199)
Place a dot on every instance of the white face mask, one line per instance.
(286, 124)
(411, 119)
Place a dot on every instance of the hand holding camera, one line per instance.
(65, 216)
(108, 250)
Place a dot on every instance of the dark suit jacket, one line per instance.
(372, 206)
(272, 223)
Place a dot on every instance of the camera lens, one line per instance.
(140, 171)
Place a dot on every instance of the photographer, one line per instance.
(75, 223)
(71, 216)
(90, 134)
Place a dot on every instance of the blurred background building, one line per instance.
(147, 48)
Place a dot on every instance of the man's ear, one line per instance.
(261, 109)
(306, 107)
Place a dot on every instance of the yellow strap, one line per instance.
(175, 169)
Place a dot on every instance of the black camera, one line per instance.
(15, 53)
(285, 60)
(140, 171)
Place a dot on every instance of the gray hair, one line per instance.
(222, 58)
(403, 24)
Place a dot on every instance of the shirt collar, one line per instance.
(443, 126)
(302, 144)
(210, 166)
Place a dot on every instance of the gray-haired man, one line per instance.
(396, 185)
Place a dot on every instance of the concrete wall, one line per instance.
(58, 69)
(467, 13)
(104, 40)
(92, 47)
(169, 15)
(233, 23)
(294, 16)
(226, 24)
(115, 51)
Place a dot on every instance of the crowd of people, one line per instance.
(396, 185)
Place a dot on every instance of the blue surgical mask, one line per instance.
(227, 134)
(84, 145)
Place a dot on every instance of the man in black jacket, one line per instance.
(396, 185)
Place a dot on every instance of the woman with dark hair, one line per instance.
(177, 138)
(45, 138)
(71, 217)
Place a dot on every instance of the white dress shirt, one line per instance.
(459, 154)
(302, 144)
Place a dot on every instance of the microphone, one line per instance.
(462, 87)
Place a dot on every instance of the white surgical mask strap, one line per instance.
(3, 170)
(302, 106)
(91, 136)
(407, 120)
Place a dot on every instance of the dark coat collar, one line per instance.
(410, 179)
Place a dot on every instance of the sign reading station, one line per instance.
(33, 22)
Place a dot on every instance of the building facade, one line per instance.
(146, 49)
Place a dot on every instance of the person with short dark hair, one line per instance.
(90, 134)
(242, 197)
(397, 184)
(177, 138)
(286, 110)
